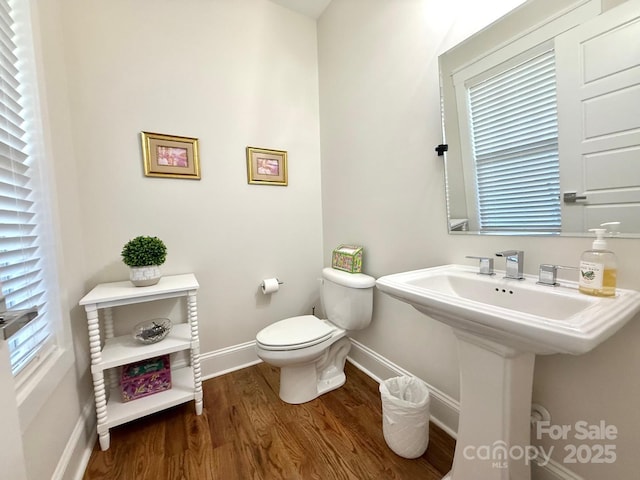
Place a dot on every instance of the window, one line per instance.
(513, 124)
(23, 219)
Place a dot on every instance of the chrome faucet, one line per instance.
(548, 274)
(515, 263)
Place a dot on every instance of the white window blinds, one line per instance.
(21, 267)
(514, 136)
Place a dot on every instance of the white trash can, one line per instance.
(405, 415)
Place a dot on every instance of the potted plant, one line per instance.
(144, 255)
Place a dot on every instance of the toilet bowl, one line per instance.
(311, 352)
(309, 366)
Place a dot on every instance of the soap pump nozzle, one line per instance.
(599, 243)
(612, 227)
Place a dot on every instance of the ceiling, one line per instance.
(310, 8)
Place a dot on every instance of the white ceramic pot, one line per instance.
(145, 276)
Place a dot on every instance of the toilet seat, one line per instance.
(294, 333)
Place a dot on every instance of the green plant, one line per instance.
(143, 251)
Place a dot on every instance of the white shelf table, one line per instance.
(112, 351)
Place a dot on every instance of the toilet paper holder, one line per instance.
(270, 285)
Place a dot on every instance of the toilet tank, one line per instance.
(347, 298)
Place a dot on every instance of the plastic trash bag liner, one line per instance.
(405, 415)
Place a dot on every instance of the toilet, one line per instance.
(311, 352)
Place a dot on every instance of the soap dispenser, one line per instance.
(598, 268)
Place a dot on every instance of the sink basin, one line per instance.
(500, 325)
(520, 313)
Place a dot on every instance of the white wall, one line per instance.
(231, 73)
(382, 186)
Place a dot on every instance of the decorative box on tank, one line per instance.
(347, 258)
(145, 377)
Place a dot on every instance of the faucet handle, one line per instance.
(486, 265)
(548, 273)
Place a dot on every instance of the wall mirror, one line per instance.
(541, 119)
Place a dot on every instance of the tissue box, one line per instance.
(146, 377)
(347, 258)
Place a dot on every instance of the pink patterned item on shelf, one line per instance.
(146, 377)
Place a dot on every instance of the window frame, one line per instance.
(35, 384)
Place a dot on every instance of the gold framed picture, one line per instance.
(266, 167)
(170, 156)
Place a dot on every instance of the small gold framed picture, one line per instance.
(170, 156)
(266, 167)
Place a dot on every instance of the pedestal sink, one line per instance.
(500, 325)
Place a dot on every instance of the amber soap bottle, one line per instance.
(598, 268)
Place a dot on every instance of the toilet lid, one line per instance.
(294, 332)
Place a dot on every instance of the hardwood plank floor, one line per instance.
(247, 433)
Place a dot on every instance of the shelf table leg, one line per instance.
(101, 410)
(109, 332)
(95, 347)
(192, 315)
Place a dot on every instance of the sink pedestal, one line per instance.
(500, 325)
(495, 408)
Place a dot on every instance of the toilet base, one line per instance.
(306, 382)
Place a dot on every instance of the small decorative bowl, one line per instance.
(152, 331)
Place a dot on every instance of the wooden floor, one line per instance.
(247, 433)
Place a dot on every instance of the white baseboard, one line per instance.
(553, 471)
(228, 359)
(75, 457)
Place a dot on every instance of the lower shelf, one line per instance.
(182, 390)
